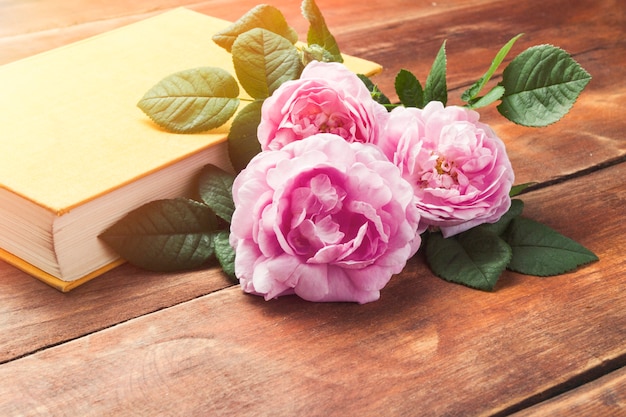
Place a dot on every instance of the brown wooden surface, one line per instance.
(137, 343)
(605, 396)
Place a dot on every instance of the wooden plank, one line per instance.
(17, 17)
(34, 316)
(605, 397)
(40, 25)
(426, 348)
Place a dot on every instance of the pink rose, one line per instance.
(322, 218)
(458, 167)
(328, 98)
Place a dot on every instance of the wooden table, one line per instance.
(138, 343)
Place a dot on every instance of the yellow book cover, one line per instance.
(77, 153)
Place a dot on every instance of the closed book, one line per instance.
(78, 154)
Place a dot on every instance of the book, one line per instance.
(77, 152)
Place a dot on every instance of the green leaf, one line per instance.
(262, 16)
(318, 33)
(165, 235)
(225, 255)
(263, 61)
(541, 251)
(215, 187)
(542, 84)
(316, 52)
(375, 92)
(475, 258)
(193, 100)
(243, 143)
(518, 189)
(409, 89)
(436, 87)
(499, 227)
(493, 95)
(472, 92)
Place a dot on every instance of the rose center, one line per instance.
(313, 207)
(326, 226)
(316, 119)
(442, 173)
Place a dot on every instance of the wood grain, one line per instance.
(34, 316)
(45, 25)
(427, 347)
(605, 397)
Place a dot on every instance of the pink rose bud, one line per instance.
(458, 167)
(328, 98)
(324, 219)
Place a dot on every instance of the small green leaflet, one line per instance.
(243, 143)
(193, 100)
(375, 92)
(225, 254)
(165, 235)
(409, 89)
(499, 227)
(541, 251)
(318, 33)
(315, 52)
(519, 188)
(475, 258)
(263, 61)
(215, 187)
(471, 94)
(492, 96)
(262, 16)
(436, 87)
(541, 85)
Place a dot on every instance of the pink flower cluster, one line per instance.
(335, 203)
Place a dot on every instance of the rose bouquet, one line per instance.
(334, 187)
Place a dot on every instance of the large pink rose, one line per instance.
(322, 218)
(328, 98)
(457, 165)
